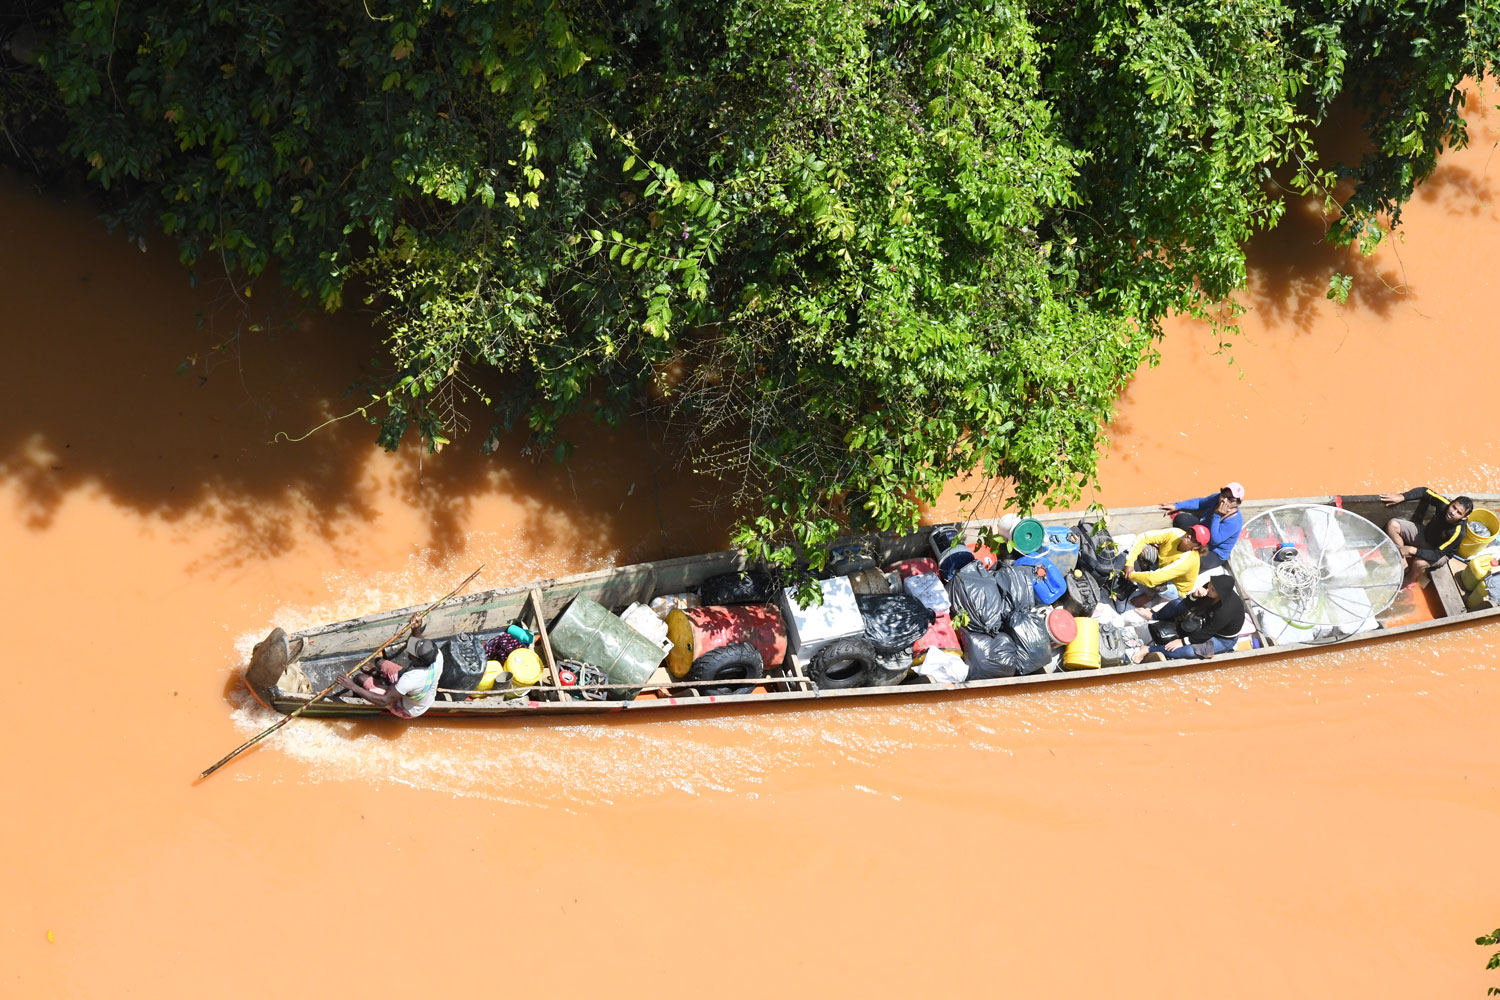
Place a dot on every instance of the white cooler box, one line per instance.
(810, 629)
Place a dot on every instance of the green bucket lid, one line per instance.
(1028, 535)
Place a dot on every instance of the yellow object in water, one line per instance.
(1474, 542)
(492, 669)
(1083, 652)
(525, 667)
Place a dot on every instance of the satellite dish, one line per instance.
(1319, 567)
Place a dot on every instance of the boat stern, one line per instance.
(268, 662)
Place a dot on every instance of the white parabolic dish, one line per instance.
(1316, 565)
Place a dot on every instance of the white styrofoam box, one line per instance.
(810, 629)
(927, 588)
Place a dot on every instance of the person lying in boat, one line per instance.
(1219, 513)
(405, 683)
(1167, 560)
(1206, 622)
(1425, 547)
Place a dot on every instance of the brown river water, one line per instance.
(1319, 826)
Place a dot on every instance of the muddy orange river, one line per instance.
(1320, 826)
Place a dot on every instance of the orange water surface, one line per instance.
(1320, 826)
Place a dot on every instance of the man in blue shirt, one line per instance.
(1218, 512)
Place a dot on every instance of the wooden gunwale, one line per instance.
(551, 595)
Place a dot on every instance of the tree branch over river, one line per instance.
(845, 252)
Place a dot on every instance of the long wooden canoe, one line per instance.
(285, 669)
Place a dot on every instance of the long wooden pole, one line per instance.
(410, 624)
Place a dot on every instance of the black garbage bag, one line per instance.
(975, 591)
(894, 621)
(463, 662)
(1033, 643)
(1015, 582)
(754, 586)
(990, 656)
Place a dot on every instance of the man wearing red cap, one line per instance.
(1168, 556)
(1218, 512)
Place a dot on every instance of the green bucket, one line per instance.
(587, 631)
(1028, 535)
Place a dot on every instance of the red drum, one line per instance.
(695, 631)
(913, 567)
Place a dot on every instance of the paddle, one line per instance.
(411, 623)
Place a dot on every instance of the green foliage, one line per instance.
(1489, 941)
(846, 251)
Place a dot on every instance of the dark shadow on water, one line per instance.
(1460, 191)
(1290, 267)
(95, 331)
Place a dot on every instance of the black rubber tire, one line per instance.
(843, 663)
(738, 661)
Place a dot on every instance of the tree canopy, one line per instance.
(846, 251)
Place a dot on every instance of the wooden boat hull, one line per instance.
(338, 646)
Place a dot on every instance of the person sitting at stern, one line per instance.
(1425, 547)
(405, 683)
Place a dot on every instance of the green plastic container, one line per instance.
(587, 631)
(1028, 535)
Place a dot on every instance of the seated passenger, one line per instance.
(1219, 513)
(1428, 546)
(406, 683)
(1168, 556)
(1208, 622)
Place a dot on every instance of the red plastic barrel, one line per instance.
(913, 567)
(695, 631)
(1061, 626)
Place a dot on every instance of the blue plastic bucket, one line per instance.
(1061, 548)
(954, 560)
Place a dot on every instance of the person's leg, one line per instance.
(1403, 534)
(1183, 652)
(383, 699)
(1417, 571)
(1172, 609)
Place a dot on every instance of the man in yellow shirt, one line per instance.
(1167, 556)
